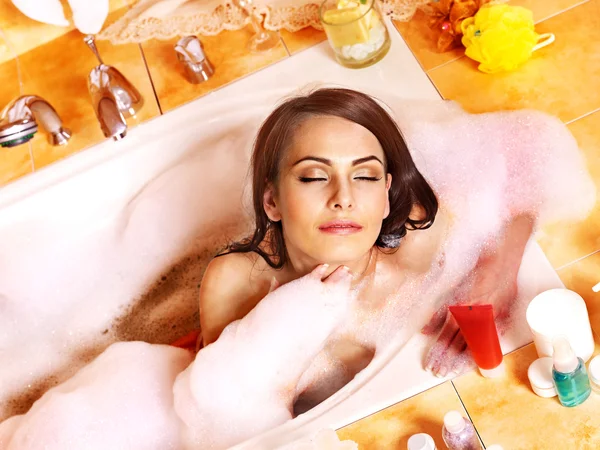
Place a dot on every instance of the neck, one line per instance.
(299, 266)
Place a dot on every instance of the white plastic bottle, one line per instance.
(421, 441)
(458, 433)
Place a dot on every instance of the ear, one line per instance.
(388, 184)
(270, 204)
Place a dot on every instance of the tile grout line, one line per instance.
(284, 44)
(583, 116)
(435, 87)
(445, 63)
(468, 415)
(151, 80)
(576, 261)
(558, 13)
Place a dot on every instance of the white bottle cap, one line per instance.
(540, 377)
(421, 441)
(494, 447)
(565, 360)
(493, 373)
(454, 422)
(594, 370)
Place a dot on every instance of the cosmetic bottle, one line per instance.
(458, 433)
(594, 373)
(569, 374)
(540, 377)
(421, 441)
(477, 325)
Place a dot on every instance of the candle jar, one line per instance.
(355, 30)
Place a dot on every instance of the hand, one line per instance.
(487, 284)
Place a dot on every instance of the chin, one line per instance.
(340, 253)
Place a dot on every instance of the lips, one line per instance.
(340, 227)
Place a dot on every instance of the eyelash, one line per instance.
(310, 180)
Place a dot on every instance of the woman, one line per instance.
(334, 183)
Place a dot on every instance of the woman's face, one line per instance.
(332, 193)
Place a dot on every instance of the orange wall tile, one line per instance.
(54, 63)
(24, 34)
(228, 53)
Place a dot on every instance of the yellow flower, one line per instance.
(500, 37)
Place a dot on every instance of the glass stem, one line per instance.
(255, 24)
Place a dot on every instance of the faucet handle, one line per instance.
(191, 55)
(126, 96)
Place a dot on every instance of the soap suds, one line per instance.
(484, 168)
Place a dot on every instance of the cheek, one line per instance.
(298, 205)
(375, 201)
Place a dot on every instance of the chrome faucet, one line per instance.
(113, 96)
(19, 122)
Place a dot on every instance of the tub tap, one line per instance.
(19, 122)
(196, 66)
(114, 98)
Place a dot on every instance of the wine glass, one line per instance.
(262, 40)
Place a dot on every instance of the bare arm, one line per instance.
(227, 293)
(507, 255)
(493, 281)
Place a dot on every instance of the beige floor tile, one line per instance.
(505, 411)
(228, 53)
(581, 277)
(58, 72)
(422, 39)
(25, 34)
(564, 244)
(391, 428)
(303, 39)
(560, 79)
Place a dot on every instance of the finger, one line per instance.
(319, 271)
(463, 362)
(339, 275)
(440, 347)
(436, 322)
(506, 307)
(452, 356)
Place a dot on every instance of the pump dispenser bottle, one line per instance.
(569, 374)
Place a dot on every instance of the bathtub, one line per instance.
(110, 244)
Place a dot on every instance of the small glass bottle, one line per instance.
(569, 374)
(356, 31)
(458, 433)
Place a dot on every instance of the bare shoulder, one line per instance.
(420, 248)
(232, 285)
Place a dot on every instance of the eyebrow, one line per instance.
(328, 162)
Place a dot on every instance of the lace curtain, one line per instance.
(164, 19)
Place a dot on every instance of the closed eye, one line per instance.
(368, 178)
(310, 180)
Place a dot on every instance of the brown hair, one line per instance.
(274, 137)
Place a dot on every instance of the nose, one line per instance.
(341, 197)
